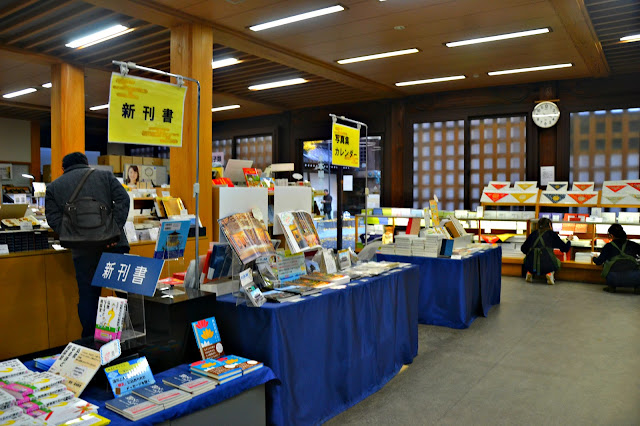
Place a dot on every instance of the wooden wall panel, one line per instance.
(62, 299)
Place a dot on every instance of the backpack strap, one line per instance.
(80, 185)
(620, 256)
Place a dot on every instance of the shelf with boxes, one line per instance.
(381, 221)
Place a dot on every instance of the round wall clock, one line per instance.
(545, 114)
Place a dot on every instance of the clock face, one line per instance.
(545, 114)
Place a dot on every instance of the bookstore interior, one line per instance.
(345, 213)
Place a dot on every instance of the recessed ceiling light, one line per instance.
(541, 68)
(99, 37)
(47, 85)
(378, 56)
(431, 80)
(278, 84)
(19, 93)
(498, 37)
(631, 38)
(224, 108)
(99, 107)
(296, 18)
(224, 63)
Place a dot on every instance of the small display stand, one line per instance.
(135, 325)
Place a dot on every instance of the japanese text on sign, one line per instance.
(345, 146)
(133, 274)
(144, 111)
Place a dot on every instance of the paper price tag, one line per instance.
(246, 276)
(110, 351)
(456, 257)
(26, 226)
(4, 249)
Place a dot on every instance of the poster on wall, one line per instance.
(135, 174)
(6, 171)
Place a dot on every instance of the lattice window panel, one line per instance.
(605, 145)
(438, 164)
(498, 152)
(223, 145)
(256, 148)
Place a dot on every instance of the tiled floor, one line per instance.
(564, 354)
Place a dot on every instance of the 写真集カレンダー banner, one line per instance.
(144, 111)
(345, 146)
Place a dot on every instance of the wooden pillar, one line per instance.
(67, 114)
(35, 151)
(548, 138)
(191, 56)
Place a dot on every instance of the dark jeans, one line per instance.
(85, 263)
(327, 214)
(624, 279)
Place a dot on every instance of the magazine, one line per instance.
(299, 231)
(248, 236)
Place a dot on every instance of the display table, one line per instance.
(329, 352)
(455, 292)
(207, 401)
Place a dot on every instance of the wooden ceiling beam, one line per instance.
(160, 14)
(83, 9)
(17, 7)
(60, 4)
(575, 19)
(56, 34)
(241, 98)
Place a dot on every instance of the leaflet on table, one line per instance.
(290, 267)
(247, 235)
(299, 230)
(12, 367)
(172, 238)
(110, 351)
(208, 338)
(129, 375)
(77, 365)
(344, 260)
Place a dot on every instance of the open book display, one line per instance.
(299, 231)
(248, 236)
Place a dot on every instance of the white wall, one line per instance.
(15, 140)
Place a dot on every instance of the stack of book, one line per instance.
(188, 382)
(11, 368)
(432, 244)
(6, 400)
(46, 362)
(133, 407)
(161, 394)
(279, 296)
(388, 249)
(219, 371)
(403, 244)
(246, 365)
(300, 290)
(73, 408)
(110, 318)
(332, 279)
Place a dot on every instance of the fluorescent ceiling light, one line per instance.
(99, 107)
(28, 176)
(47, 85)
(498, 37)
(99, 37)
(631, 38)
(224, 63)
(278, 84)
(19, 93)
(431, 80)
(296, 18)
(542, 68)
(378, 56)
(224, 108)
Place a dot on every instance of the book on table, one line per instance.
(110, 318)
(133, 407)
(247, 365)
(300, 290)
(164, 395)
(77, 365)
(278, 296)
(216, 370)
(71, 409)
(127, 376)
(208, 338)
(248, 236)
(299, 231)
(332, 278)
(252, 176)
(190, 383)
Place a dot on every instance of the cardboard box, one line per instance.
(147, 161)
(165, 162)
(126, 159)
(111, 160)
(156, 161)
(136, 160)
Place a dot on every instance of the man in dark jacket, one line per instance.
(538, 248)
(102, 186)
(620, 259)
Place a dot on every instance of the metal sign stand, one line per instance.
(125, 67)
(334, 119)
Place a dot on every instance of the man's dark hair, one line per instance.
(617, 231)
(73, 159)
(544, 223)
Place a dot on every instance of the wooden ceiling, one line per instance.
(33, 34)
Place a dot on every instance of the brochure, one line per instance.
(299, 231)
(248, 236)
(129, 375)
(172, 238)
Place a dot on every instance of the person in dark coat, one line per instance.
(620, 259)
(103, 186)
(538, 248)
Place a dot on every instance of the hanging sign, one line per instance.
(133, 274)
(143, 111)
(345, 149)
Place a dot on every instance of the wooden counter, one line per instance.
(39, 296)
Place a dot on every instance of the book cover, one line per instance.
(300, 290)
(159, 393)
(172, 206)
(133, 406)
(252, 176)
(129, 375)
(279, 296)
(6, 400)
(10, 413)
(39, 381)
(67, 410)
(246, 365)
(46, 362)
(88, 419)
(54, 399)
(77, 365)
(216, 369)
(172, 238)
(189, 382)
(248, 236)
(332, 278)
(205, 266)
(48, 391)
(208, 338)
(110, 318)
(222, 182)
(11, 368)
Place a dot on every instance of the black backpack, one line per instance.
(86, 222)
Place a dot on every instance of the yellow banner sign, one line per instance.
(144, 111)
(345, 149)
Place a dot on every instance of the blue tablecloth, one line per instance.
(225, 391)
(454, 292)
(329, 352)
